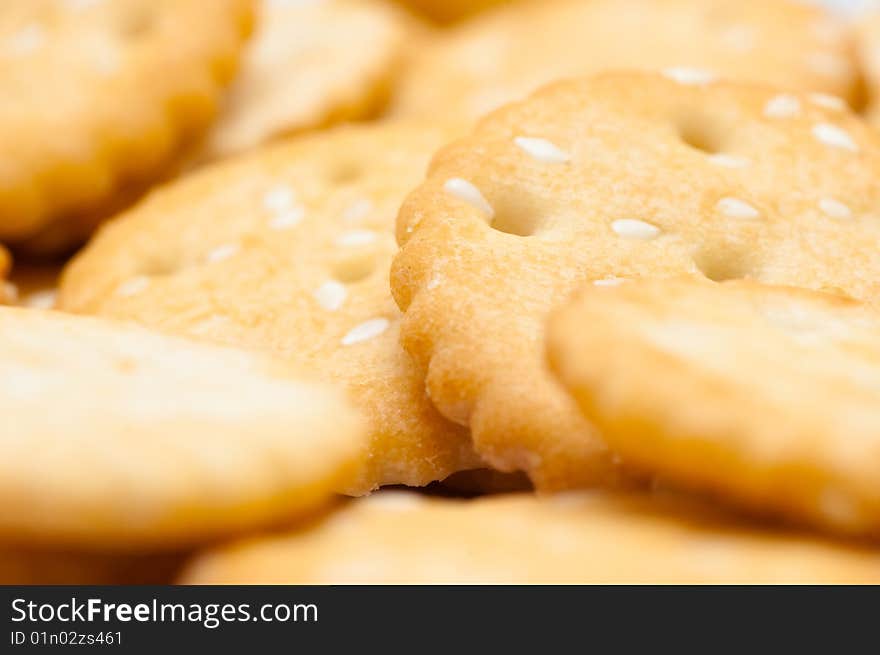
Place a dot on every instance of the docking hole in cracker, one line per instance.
(575, 538)
(506, 53)
(288, 250)
(99, 100)
(496, 238)
(115, 438)
(764, 396)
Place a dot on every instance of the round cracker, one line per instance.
(114, 437)
(310, 64)
(289, 250)
(507, 53)
(766, 395)
(401, 538)
(622, 175)
(105, 94)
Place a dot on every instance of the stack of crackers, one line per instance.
(353, 291)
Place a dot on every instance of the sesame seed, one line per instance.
(27, 40)
(287, 218)
(782, 106)
(728, 161)
(835, 209)
(739, 38)
(736, 208)
(133, 286)
(356, 238)
(689, 76)
(358, 210)
(278, 199)
(222, 252)
(630, 228)
(331, 295)
(828, 101)
(609, 282)
(542, 150)
(464, 190)
(365, 331)
(834, 136)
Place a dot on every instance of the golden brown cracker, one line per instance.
(310, 64)
(58, 567)
(506, 53)
(116, 438)
(618, 176)
(520, 539)
(446, 11)
(766, 396)
(289, 250)
(101, 96)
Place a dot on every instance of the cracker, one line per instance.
(53, 567)
(574, 538)
(868, 31)
(309, 65)
(446, 11)
(509, 52)
(764, 395)
(105, 95)
(618, 176)
(289, 250)
(35, 284)
(116, 438)
(7, 290)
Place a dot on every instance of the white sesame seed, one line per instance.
(835, 209)
(728, 161)
(834, 136)
(41, 299)
(689, 76)
(331, 295)
(278, 199)
(736, 208)
(77, 5)
(133, 286)
(220, 253)
(630, 228)
(358, 210)
(27, 40)
(739, 38)
(542, 150)
(782, 106)
(210, 325)
(287, 219)
(464, 190)
(356, 238)
(365, 331)
(828, 101)
(609, 282)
